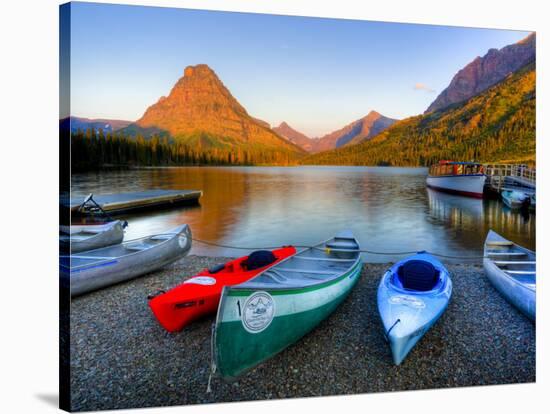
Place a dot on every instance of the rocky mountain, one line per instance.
(497, 125)
(107, 125)
(201, 113)
(484, 72)
(362, 129)
(302, 140)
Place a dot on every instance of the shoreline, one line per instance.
(122, 358)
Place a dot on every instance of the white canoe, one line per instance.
(95, 269)
(88, 237)
(512, 271)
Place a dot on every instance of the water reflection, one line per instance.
(389, 209)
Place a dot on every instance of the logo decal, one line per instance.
(258, 312)
(407, 300)
(201, 280)
(182, 241)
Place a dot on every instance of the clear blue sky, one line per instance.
(316, 74)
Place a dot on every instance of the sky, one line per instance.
(316, 74)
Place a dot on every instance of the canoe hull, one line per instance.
(519, 295)
(199, 295)
(84, 279)
(467, 185)
(103, 235)
(512, 200)
(407, 315)
(293, 313)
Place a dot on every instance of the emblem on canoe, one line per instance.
(258, 312)
(407, 300)
(182, 240)
(201, 280)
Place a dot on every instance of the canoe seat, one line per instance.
(418, 275)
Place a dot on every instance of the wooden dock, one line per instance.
(136, 201)
(505, 177)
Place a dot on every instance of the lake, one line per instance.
(388, 209)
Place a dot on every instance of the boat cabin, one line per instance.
(455, 168)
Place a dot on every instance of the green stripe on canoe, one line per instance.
(238, 350)
(236, 291)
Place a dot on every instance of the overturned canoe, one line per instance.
(261, 317)
(512, 270)
(200, 295)
(95, 269)
(412, 295)
(78, 238)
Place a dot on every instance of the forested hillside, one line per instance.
(496, 125)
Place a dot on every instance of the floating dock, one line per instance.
(509, 177)
(137, 201)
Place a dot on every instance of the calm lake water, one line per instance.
(388, 209)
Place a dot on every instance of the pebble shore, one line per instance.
(122, 358)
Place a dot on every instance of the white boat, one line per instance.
(512, 270)
(79, 238)
(95, 269)
(464, 178)
(514, 199)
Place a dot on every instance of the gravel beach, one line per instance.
(122, 358)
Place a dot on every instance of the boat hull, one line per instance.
(110, 270)
(295, 313)
(467, 185)
(407, 315)
(80, 238)
(512, 200)
(199, 295)
(520, 295)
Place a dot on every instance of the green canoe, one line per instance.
(262, 316)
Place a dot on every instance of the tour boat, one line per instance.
(465, 178)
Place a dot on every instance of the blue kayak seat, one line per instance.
(418, 275)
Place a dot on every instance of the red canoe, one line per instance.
(199, 295)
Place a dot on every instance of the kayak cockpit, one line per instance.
(418, 275)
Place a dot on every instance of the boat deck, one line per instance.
(139, 200)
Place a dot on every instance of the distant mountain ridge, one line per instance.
(107, 125)
(497, 125)
(302, 140)
(201, 112)
(484, 72)
(363, 129)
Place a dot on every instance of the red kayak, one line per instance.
(200, 294)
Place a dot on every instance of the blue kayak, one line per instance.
(412, 295)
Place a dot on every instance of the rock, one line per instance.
(484, 72)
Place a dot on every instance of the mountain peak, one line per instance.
(484, 72)
(201, 112)
(201, 69)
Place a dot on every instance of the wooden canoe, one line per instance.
(512, 270)
(261, 317)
